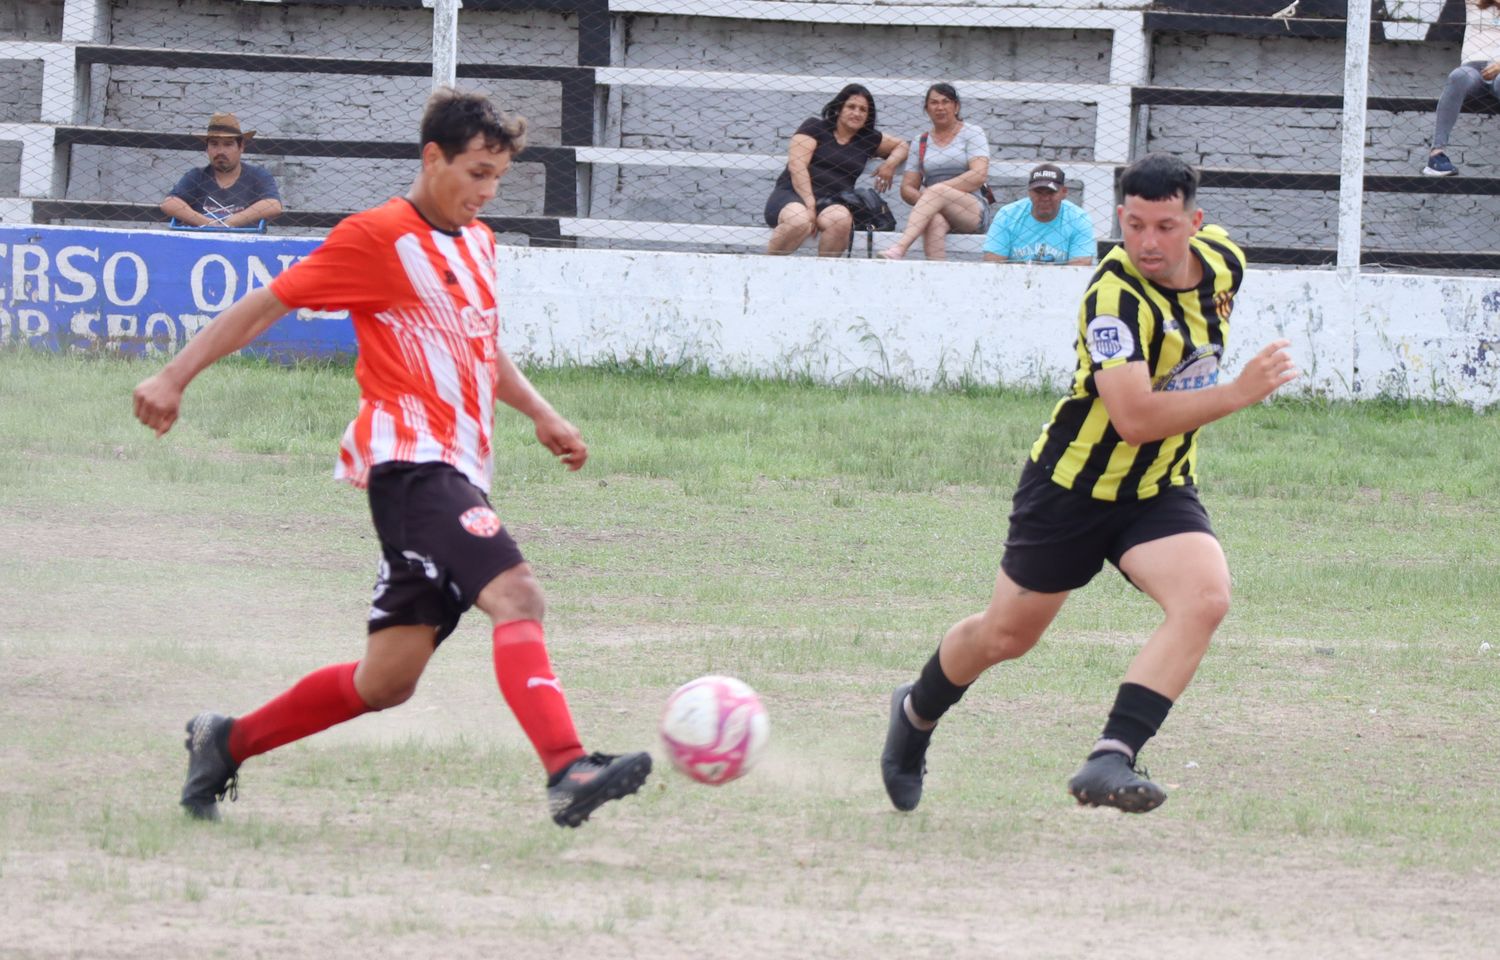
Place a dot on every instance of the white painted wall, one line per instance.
(920, 323)
(912, 323)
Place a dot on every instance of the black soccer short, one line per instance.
(1059, 539)
(440, 544)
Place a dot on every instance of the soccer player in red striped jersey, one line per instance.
(417, 275)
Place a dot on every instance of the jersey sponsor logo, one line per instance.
(1108, 338)
(480, 521)
(479, 323)
(1198, 370)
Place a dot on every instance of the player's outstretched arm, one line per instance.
(1142, 415)
(553, 431)
(158, 399)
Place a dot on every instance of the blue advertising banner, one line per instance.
(148, 291)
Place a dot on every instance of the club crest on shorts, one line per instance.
(1108, 337)
(480, 521)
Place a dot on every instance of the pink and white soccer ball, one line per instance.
(714, 729)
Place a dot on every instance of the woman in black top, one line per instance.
(827, 155)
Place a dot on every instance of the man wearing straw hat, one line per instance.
(227, 192)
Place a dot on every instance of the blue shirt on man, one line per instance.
(199, 190)
(1016, 235)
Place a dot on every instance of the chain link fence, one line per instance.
(665, 123)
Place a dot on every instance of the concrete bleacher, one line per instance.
(1087, 84)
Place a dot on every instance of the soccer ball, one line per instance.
(714, 729)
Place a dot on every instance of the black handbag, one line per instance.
(869, 209)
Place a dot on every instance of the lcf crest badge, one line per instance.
(1108, 338)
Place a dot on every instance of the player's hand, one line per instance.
(563, 439)
(157, 402)
(1492, 71)
(1267, 372)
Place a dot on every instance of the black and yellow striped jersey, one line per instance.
(1180, 334)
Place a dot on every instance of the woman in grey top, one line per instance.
(947, 186)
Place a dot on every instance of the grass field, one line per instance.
(1332, 770)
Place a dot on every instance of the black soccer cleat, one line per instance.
(588, 783)
(903, 762)
(1110, 780)
(212, 775)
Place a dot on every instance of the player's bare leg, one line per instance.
(1187, 576)
(1010, 626)
(394, 661)
(577, 783)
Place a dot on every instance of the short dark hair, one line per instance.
(834, 107)
(1160, 176)
(452, 119)
(948, 90)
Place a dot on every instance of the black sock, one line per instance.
(1138, 713)
(934, 693)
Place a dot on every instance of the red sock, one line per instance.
(534, 695)
(316, 702)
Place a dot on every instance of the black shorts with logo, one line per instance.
(440, 543)
(1060, 538)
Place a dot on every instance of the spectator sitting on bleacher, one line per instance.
(1478, 70)
(947, 189)
(1042, 228)
(826, 157)
(226, 192)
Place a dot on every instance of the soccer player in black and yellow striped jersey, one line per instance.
(1112, 477)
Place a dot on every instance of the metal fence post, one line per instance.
(444, 41)
(1352, 152)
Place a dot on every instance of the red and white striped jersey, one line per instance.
(427, 324)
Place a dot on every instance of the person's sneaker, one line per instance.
(587, 783)
(903, 762)
(212, 775)
(1438, 165)
(1110, 780)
